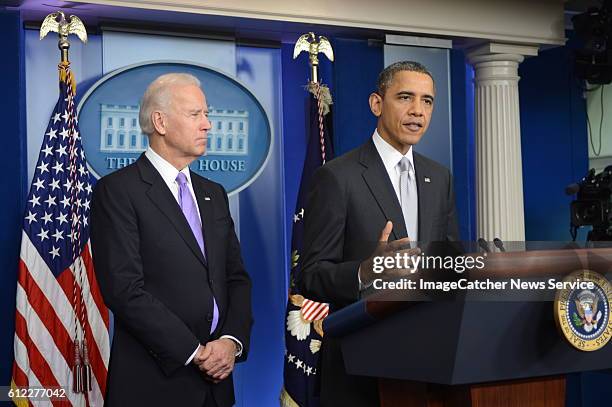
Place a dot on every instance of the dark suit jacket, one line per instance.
(158, 285)
(350, 200)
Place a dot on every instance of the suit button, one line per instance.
(209, 317)
(210, 281)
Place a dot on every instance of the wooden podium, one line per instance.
(465, 351)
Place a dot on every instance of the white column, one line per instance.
(499, 172)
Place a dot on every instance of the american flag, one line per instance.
(58, 300)
(304, 320)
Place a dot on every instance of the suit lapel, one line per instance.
(162, 197)
(377, 179)
(425, 195)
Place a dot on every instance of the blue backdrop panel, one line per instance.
(262, 237)
(13, 170)
(357, 66)
(464, 169)
(553, 141)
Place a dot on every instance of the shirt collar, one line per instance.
(165, 169)
(389, 155)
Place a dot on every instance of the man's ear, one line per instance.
(375, 103)
(159, 122)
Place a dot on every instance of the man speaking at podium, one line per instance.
(383, 191)
(169, 263)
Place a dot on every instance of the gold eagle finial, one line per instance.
(308, 42)
(64, 28)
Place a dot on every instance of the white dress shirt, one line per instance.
(169, 173)
(391, 158)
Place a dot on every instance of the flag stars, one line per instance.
(86, 204)
(64, 133)
(65, 202)
(68, 185)
(39, 184)
(82, 170)
(298, 216)
(58, 235)
(44, 234)
(43, 167)
(58, 167)
(62, 218)
(46, 218)
(56, 118)
(298, 363)
(34, 201)
(31, 217)
(62, 151)
(48, 150)
(308, 371)
(54, 185)
(50, 201)
(290, 358)
(66, 116)
(52, 134)
(79, 186)
(88, 189)
(54, 252)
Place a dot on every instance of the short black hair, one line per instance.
(386, 76)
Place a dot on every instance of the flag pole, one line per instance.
(308, 42)
(304, 317)
(57, 22)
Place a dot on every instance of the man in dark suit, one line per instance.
(374, 199)
(169, 263)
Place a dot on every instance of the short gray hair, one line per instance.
(157, 97)
(385, 78)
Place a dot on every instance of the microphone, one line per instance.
(499, 244)
(484, 245)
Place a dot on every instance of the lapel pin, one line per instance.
(427, 180)
(206, 198)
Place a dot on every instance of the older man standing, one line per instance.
(168, 262)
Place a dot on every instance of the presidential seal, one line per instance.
(583, 315)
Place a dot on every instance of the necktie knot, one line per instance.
(181, 178)
(404, 164)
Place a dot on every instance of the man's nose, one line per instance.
(416, 109)
(206, 125)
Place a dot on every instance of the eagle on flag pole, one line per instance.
(61, 338)
(304, 317)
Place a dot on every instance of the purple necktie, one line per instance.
(188, 205)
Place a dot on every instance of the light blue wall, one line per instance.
(262, 222)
